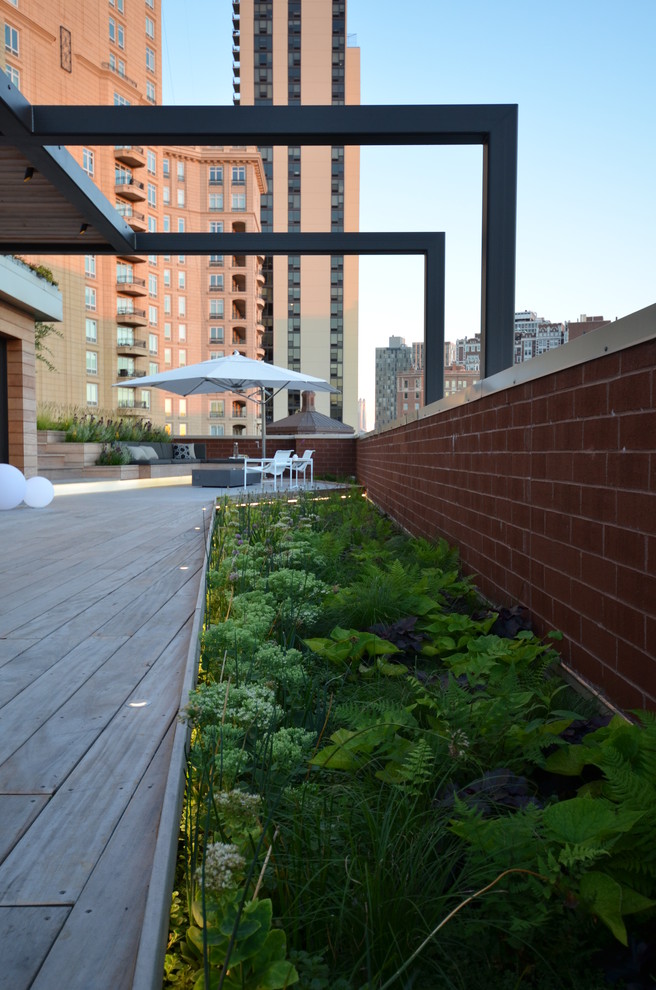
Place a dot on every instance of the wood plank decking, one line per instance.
(99, 616)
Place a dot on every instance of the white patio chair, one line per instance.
(274, 466)
(301, 464)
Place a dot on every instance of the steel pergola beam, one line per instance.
(34, 130)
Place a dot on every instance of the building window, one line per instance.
(92, 394)
(87, 161)
(216, 309)
(151, 4)
(182, 357)
(120, 6)
(165, 168)
(182, 429)
(215, 355)
(92, 331)
(182, 306)
(145, 399)
(216, 283)
(180, 171)
(168, 407)
(152, 225)
(239, 175)
(150, 59)
(167, 305)
(120, 32)
(152, 285)
(92, 363)
(181, 225)
(89, 297)
(151, 158)
(216, 227)
(112, 30)
(150, 91)
(11, 40)
(182, 331)
(182, 410)
(238, 202)
(152, 343)
(14, 75)
(166, 195)
(150, 28)
(216, 201)
(167, 331)
(180, 197)
(89, 266)
(153, 367)
(167, 355)
(216, 335)
(152, 316)
(216, 175)
(120, 101)
(217, 408)
(182, 280)
(166, 223)
(216, 259)
(152, 195)
(216, 429)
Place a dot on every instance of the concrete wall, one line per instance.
(547, 484)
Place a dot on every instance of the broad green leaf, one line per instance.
(585, 820)
(603, 896)
(568, 760)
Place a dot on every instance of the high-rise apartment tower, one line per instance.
(292, 53)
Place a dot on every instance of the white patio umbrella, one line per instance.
(235, 373)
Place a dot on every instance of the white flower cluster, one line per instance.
(240, 804)
(291, 749)
(224, 866)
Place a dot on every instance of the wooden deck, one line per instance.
(99, 620)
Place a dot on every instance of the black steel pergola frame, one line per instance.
(40, 132)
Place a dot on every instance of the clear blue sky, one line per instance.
(582, 73)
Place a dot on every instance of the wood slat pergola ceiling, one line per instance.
(36, 209)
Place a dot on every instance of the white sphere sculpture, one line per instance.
(12, 486)
(39, 492)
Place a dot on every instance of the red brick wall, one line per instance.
(548, 489)
(332, 455)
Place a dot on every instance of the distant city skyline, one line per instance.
(581, 74)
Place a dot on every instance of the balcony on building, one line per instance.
(135, 408)
(130, 373)
(130, 285)
(239, 336)
(135, 219)
(239, 283)
(128, 187)
(129, 346)
(132, 317)
(239, 309)
(130, 154)
(239, 410)
(238, 260)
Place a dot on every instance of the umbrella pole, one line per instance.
(263, 407)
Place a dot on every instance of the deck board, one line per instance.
(99, 598)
